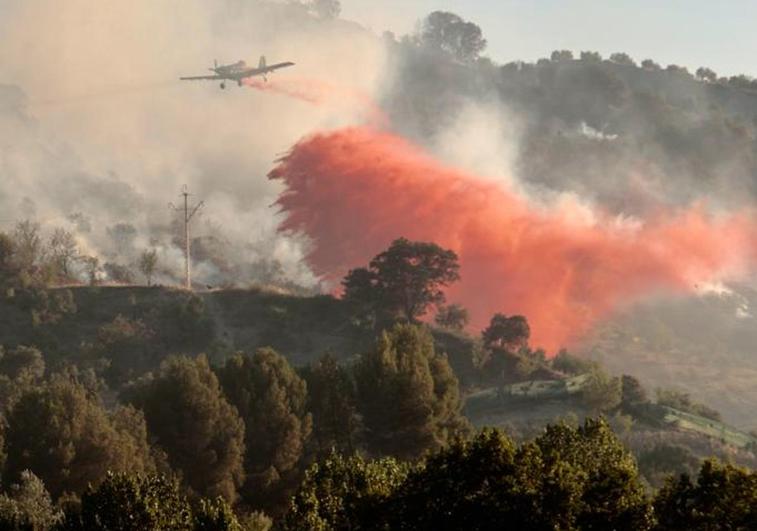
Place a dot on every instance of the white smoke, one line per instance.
(94, 122)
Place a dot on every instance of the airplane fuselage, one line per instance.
(239, 71)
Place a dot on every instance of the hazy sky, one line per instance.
(687, 32)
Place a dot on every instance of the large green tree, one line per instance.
(128, 502)
(27, 506)
(332, 402)
(723, 497)
(63, 251)
(195, 425)
(344, 493)
(567, 478)
(408, 395)
(403, 281)
(271, 399)
(62, 433)
(463, 486)
(453, 317)
(125, 502)
(450, 33)
(585, 478)
(509, 333)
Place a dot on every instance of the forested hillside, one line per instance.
(265, 396)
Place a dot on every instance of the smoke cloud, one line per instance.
(564, 265)
(95, 126)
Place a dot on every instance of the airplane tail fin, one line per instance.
(262, 63)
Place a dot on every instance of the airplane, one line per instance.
(238, 72)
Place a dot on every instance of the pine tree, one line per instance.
(271, 399)
(408, 394)
(332, 402)
(62, 433)
(193, 423)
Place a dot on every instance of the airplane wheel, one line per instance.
(223, 86)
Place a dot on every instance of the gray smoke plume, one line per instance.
(98, 135)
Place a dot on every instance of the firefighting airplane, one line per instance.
(238, 72)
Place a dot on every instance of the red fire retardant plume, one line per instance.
(354, 191)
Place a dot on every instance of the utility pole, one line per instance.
(189, 212)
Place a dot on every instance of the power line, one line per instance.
(189, 212)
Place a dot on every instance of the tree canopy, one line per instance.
(191, 420)
(448, 32)
(332, 402)
(60, 432)
(510, 333)
(408, 395)
(567, 478)
(403, 281)
(271, 399)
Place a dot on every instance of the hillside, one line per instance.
(702, 345)
(218, 323)
(97, 323)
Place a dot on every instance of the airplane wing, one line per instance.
(198, 78)
(271, 68)
(262, 71)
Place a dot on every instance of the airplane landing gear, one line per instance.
(223, 86)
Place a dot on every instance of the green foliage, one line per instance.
(8, 268)
(633, 394)
(706, 74)
(131, 502)
(621, 58)
(568, 478)
(63, 252)
(125, 344)
(585, 478)
(451, 34)
(459, 487)
(408, 395)
(23, 364)
(561, 56)
(215, 515)
(186, 324)
(271, 399)
(452, 317)
(59, 431)
(332, 402)
(682, 401)
(509, 333)
(344, 493)
(148, 261)
(193, 423)
(723, 497)
(256, 521)
(591, 57)
(28, 250)
(403, 281)
(601, 392)
(570, 364)
(665, 459)
(27, 506)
